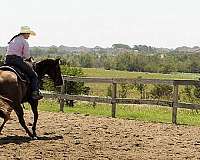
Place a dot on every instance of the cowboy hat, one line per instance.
(26, 29)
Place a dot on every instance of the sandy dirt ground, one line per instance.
(83, 137)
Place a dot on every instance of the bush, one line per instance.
(75, 88)
(161, 91)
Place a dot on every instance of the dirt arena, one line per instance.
(83, 137)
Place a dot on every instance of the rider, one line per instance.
(17, 52)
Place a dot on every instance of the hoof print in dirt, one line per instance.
(77, 141)
(49, 133)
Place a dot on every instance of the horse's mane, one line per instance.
(45, 66)
(45, 62)
(41, 65)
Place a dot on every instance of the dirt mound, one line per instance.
(70, 136)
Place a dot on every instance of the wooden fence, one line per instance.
(174, 104)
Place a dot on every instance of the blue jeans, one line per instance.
(25, 68)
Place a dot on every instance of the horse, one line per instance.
(14, 91)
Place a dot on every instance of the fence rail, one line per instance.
(114, 100)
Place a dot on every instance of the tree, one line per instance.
(52, 50)
(122, 46)
(161, 91)
(141, 88)
(74, 88)
(36, 51)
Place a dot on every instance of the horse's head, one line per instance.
(51, 68)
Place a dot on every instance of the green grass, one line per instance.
(145, 113)
(98, 72)
(100, 89)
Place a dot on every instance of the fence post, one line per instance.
(62, 101)
(114, 95)
(175, 104)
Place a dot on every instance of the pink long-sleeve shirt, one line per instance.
(19, 47)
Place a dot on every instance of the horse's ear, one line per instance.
(30, 59)
(58, 60)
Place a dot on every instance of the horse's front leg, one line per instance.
(20, 113)
(34, 107)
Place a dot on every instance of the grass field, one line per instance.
(93, 72)
(101, 89)
(137, 112)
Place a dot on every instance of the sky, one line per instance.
(90, 23)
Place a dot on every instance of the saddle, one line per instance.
(20, 75)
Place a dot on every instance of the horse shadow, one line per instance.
(24, 139)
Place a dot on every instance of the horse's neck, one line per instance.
(41, 70)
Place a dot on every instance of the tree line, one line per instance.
(153, 63)
(127, 61)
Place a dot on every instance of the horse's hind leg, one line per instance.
(4, 122)
(5, 114)
(6, 117)
(20, 114)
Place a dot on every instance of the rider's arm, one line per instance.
(26, 53)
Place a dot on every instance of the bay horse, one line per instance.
(15, 91)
